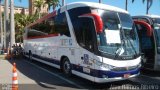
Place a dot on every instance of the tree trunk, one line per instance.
(1, 29)
(126, 6)
(147, 7)
(12, 26)
(6, 24)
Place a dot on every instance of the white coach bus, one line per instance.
(149, 44)
(94, 41)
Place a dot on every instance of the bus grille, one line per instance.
(124, 68)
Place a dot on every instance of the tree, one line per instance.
(38, 4)
(149, 4)
(1, 29)
(6, 24)
(21, 21)
(12, 25)
(126, 4)
(52, 3)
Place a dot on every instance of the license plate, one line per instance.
(87, 70)
(126, 75)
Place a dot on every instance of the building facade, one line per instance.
(17, 9)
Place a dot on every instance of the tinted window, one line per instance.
(143, 19)
(83, 27)
(61, 25)
(110, 19)
(156, 20)
(53, 25)
(126, 20)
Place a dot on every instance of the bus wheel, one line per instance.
(30, 56)
(66, 67)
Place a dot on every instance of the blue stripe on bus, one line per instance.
(109, 74)
(93, 72)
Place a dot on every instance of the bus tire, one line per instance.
(66, 67)
(30, 56)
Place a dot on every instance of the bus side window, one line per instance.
(61, 25)
(84, 33)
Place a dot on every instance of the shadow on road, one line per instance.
(150, 73)
(49, 81)
(42, 78)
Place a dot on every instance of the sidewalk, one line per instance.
(6, 74)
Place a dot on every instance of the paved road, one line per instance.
(38, 76)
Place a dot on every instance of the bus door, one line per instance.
(147, 43)
(85, 53)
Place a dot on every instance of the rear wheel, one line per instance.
(66, 67)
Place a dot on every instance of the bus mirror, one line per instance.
(148, 27)
(97, 20)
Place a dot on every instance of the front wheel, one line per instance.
(66, 67)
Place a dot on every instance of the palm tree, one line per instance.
(12, 24)
(149, 4)
(1, 30)
(12, 27)
(38, 4)
(6, 23)
(52, 3)
(126, 4)
(21, 21)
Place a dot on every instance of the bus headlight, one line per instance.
(107, 66)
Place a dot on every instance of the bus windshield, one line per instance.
(156, 20)
(119, 37)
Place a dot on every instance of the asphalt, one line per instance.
(31, 77)
(37, 76)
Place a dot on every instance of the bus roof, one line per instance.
(149, 16)
(79, 4)
(153, 16)
(94, 5)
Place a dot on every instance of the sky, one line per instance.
(136, 8)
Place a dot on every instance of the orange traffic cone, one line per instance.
(14, 78)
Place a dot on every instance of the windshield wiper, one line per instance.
(132, 46)
(119, 50)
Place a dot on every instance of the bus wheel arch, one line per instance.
(66, 65)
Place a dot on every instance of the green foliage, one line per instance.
(38, 4)
(21, 21)
(52, 3)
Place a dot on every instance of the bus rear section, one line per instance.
(94, 41)
(149, 40)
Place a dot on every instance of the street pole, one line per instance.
(100, 1)
(12, 26)
(6, 23)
